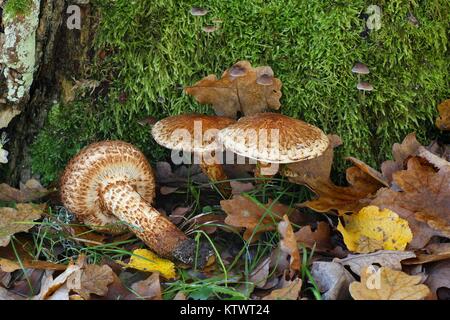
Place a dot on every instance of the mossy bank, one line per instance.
(150, 50)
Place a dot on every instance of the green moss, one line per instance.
(17, 7)
(157, 46)
(71, 127)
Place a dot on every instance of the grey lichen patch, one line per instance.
(18, 55)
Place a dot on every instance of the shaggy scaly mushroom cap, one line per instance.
(168, 132)
(274, 138)
(198, 134)
(110, 186)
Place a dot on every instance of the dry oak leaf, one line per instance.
(372, 229)
(388, 284)
(90, 279)
(400, 152)
(30, 191)
(332, 280)
(438, 276)
(424, 201)
(238, 90)
(288, 244)
(315, 174)
(290, 291)
(49, 285)
(260, 275)
(319, 239)
(431, 253)
(245, 213)
(385, 258)
(148, 289)
(148, 261)
(7, 265)
(19, 219)
(443, 121)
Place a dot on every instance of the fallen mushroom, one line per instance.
(110, 186)
(272, 138)
(196, 134)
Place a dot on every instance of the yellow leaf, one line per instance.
(372, 229)
(146, 260)
(388, 284)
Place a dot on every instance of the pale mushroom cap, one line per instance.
(197, 11)
(364, 86)
(360, 68)
(274, 138)
(94, 168)
(190, 132)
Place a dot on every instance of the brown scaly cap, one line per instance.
(97, 166)
(177, 132)
(297, 140)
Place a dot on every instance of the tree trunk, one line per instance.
(62, 54)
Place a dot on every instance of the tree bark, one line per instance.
(62, 54)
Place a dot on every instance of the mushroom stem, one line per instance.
(215, 173)
(149, 225)
(261, 171)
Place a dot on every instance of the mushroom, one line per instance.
(272, 138)
(198, 12)
(110, 186)
(364, 86)
(210, 29)
(360, 68)
(196, 134)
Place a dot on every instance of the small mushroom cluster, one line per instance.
(361, 69)
(200, 12)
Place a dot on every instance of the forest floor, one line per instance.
(299, 242)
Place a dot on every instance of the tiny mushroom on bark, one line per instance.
(195, 133)
(110, 186)
(272, 138)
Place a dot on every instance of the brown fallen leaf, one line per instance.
(443, 121)
(343, 199)
(320, 239)
(90, 279)
(7, 265)
(289, 291)
(241, 187)
(237, 90)
(148, 289)
(388, 284)
(438, 277)
(288, 244)
(400, 152)
(384, 258)
(332, 280)
(260, 275)
(431, 253)
(7, 295)
(424, 201)
(85, 235)
(50, 285)
(180, 296)
(19, 219)
(378, 176)
(30, 191)
(315, 174)
(243, 212)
